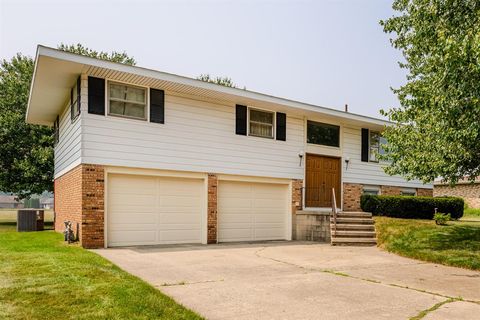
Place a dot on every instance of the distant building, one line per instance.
(469, 191)
(46, 202)
(9, 201)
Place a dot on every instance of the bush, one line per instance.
(410, 207)
(441, 218)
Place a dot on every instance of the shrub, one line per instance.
(441, 218)
(410, 207)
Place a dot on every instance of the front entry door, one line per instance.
(323, 174)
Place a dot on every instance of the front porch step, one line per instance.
(342, 220)
(354, 227)
(354, 234)
(354, 241)
(354, 214)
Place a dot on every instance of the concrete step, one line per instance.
(355, 227)
(354, 214)
(354, 241)
(353, 234)
(341, 220)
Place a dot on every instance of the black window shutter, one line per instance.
(56, 130)
(281, 126)
(72, 111)
(365, 145)
(96, 95)
(157, 106)
(79, 86)
(241, 120)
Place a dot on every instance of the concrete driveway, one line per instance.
(298, 280)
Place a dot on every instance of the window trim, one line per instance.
(274, 123)
(147, 100)
(324, 145)
(371, 188)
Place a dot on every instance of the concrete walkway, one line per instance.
(295, 280)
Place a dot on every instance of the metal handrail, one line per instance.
(334, 212)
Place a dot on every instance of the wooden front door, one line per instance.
(323, 174)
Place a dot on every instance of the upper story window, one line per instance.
(323, 134)
(261, 123)
(376, 141)
(127, 101)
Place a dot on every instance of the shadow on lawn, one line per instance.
(466, 237)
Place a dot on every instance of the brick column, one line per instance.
(297, 197)
(351, 196)
(212, 209)
(93, 206)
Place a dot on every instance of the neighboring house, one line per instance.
(9, 201)
(146, 157)
(46, 203)
(468, 190)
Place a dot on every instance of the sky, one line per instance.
(328, 53)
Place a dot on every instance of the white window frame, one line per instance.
(274, 118)
(408, 192)
(324, 145)
(147, 103)
(369, 188)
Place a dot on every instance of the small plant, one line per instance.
(441, 218)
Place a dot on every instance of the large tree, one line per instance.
(26, 151)
(438, 130)
(223, 81)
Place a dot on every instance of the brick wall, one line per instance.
(68, 200)
(390, 191)
(351, 196)
(297, 197)
(422, 192)
(79, 197)
(469, 192)
(212, 209)
(93, 203)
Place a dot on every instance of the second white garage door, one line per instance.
(250, 211)
(154, 210)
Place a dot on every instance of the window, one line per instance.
(373, 190)
(408, 192)
(323, 134)
(261, 123)
(374, 142)
(75, 100)
(127, 101)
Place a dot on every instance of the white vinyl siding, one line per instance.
(367, 172)
(197, 136)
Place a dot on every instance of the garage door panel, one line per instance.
(154, 210)
(132, 237)
(250, 211)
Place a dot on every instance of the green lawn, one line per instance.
(41, 277)
(457, 244)
(471, 214)
(9, 215)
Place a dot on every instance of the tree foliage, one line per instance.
(223, 81)
(438, 130)
(26, 151)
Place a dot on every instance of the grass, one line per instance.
(456, 244)
(471, 214)
(41, 277)
(10, 215)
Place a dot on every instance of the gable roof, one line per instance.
(56, 72)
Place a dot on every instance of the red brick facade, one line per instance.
(390, 191)
(79, 197)
(351, 196)
(470, 192)
(212, 209)
(422, 192)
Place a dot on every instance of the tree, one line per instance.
(438, 123)
(223, 81)
(26, 151)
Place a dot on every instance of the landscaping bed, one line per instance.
(41, 277)
(456, 244)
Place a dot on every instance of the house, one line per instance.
(9, 201)
(466, 189)
(146, 157)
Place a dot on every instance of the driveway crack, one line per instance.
(186, 283)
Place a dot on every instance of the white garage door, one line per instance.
(251, 211)
(154, 210)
